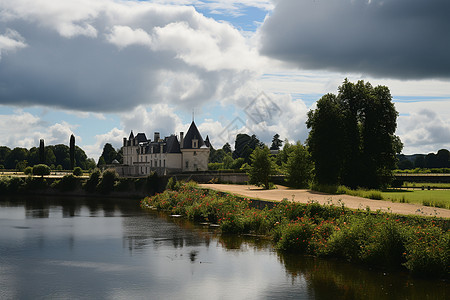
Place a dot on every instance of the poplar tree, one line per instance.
(72, 152)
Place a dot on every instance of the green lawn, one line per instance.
(437, 198)
(426, 185)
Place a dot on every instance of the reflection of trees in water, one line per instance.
(340, 280)
(36, 208)
(244, 242)
(159, 230)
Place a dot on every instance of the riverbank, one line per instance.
(384, 240)
(305, 196)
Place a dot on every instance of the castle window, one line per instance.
(195, 153)
(187, 164)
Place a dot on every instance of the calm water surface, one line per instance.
(110, 249)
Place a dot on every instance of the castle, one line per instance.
(141, 156)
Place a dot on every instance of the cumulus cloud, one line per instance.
(114, 137)
(160, 118)
(403, 39)
(11, 41)
(422, 129)
(23, 129)
(112, 56)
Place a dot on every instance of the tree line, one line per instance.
(441, 159)
(351, 142)
(57, 157)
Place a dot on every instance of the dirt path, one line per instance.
(304, 196)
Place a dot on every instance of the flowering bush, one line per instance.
(420, 244)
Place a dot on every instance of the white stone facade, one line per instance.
(142, 156)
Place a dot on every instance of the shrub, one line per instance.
(92, 182)
(41, 170)
(28, 171)
(295, 236)
(106, 184)
(67, 183)
(77, 171)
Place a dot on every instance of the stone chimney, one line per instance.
(156, 136)
(124, 142)
(181, 139)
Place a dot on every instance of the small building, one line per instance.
(141, 156)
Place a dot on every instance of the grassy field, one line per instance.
(419, 185)
(436, 198)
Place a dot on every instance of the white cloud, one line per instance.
(11, 41)
(124, 36)
(23, 129)
(424, 127)
(160, 118)
(114, 137)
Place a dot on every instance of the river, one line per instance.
(78, 248)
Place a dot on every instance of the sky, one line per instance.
(101, 68)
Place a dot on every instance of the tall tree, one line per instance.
(244, 146)
(72, 151)
(353, 136)
(226, 148)
(325, 140)
(109, 153)
(276, 142)
(261, 167)
(299, 167)
(41, 151)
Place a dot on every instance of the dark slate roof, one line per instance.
(192, 134)
(172, 144)
(140, 137)
(207, 142)
(131, 135)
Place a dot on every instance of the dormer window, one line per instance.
(194, 143)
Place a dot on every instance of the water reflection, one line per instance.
(104, 248)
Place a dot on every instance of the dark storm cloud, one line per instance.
(404, 39)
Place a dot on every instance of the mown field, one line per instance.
(436, 198)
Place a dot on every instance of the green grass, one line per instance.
(425, 185)
(436, 198)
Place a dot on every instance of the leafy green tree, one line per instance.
(41, 170)
(72, 151)
(33, 156)
(90, 164)
(443, 158)
(4, 152)
(50, 158)
(15, 156)
(244, 146)
(101, 161)
(261, 167)
(282, 157)
(227, 148)
(299, 167)
(228, 161)
(352, 139)
(109, 153)
(21, 165)
(325, 141)
(276, 142)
